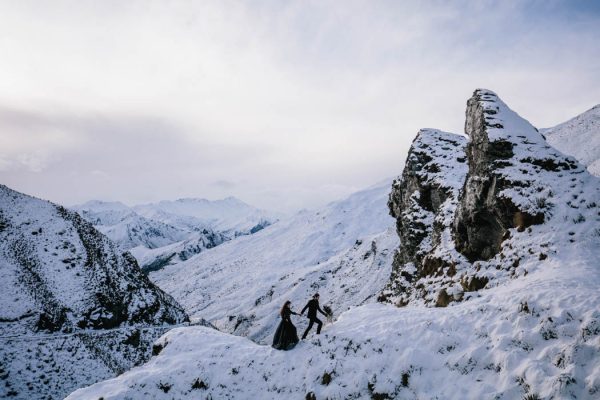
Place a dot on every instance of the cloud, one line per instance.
(224, 184)
(285, 99)
(100, 173)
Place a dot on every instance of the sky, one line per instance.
(283, 104)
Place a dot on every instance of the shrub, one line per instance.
(327, 378)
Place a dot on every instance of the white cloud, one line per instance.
(286, 97)
(36, 161)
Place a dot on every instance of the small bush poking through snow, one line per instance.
(165, 387)
(327, 378)
(579, 219)
(405, 377)
(199, 384)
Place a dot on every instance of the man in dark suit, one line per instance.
(313, 307)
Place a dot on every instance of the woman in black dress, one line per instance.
(285, 336)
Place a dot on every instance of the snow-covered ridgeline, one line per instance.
(230, 216)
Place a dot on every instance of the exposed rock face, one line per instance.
(421, 190)
(500, 143)
(423, 202)
(462, 207)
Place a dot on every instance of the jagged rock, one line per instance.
(423, 201)
(483, 216)
(505, 153)
(426, 184)
(461, 208)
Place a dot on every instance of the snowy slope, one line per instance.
(530, 336)
(580, 138)
(62, 282)
(343, 250)
(520, 312)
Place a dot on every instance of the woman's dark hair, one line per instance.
(285, 305)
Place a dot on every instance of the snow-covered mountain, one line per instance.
(127, 228)
(493, 291)
(580, 138)
(168, 232)
(229, 216)
(196, 242)
(74, 308)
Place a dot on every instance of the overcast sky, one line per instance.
(283, 104)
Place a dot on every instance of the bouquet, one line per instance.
(329, 313)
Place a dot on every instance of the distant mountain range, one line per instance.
(164, 233)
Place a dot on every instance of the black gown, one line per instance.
(285, 336)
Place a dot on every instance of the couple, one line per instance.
(285, 336)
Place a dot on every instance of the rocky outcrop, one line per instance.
(462, 206)
(418, 196)
(423, 201)
(499, 141)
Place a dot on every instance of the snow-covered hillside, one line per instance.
(580, 138)
(72, 303)
(343, 250)
(508, 259)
